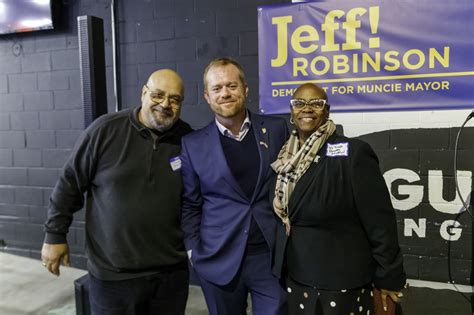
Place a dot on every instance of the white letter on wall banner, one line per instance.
(411, 226)
(414, 192)
(435, 192)
(450, 230)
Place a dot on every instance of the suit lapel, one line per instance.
(305, 181)
(219, 163)
(261, 136)
(303, 184)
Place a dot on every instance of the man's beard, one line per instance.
(162, 125)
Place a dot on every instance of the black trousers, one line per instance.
(308, 300)
(164, 293)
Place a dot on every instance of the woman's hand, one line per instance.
(394, 295)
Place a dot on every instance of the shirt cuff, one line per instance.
(52, 238)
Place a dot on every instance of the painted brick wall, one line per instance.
(40, 119)
(421, 143)
(185, 35)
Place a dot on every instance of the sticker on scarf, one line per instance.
(175, 163)
(338, 149)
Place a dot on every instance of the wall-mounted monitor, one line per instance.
(17, 16)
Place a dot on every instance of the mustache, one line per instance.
(164, 110)
(226, 101)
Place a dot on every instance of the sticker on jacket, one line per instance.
(175, 163)
(338, 149)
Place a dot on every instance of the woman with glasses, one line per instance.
(338, 235)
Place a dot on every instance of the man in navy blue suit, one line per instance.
(227, 219)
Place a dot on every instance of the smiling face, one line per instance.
(308, 119)
(225, 92)
(161, 100)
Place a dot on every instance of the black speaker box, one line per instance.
(92, 67)
(81, 290)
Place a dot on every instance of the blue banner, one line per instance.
(369, 55)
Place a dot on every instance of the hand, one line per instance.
(394, 295)
(53, 254)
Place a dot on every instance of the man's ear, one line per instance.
(144, 90)
(206, 97)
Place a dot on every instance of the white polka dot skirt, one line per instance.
(303, 299)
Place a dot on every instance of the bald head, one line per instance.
(166, 77)
(310, 91)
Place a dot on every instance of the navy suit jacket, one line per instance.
(216, 213)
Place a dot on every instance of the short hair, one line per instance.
(218, 62)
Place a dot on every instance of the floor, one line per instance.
(27, 288)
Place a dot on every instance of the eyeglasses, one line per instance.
(159, 97)
(316, 103)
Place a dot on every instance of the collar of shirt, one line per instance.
(242, 132)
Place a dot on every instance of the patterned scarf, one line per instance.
(292, 163)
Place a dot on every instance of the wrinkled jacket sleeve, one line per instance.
(378, 218)
(191, 201)
(68, 194)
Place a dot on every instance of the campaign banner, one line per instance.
(368, 55)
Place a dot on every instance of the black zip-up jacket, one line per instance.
(130, 178)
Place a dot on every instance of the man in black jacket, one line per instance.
(126, 167)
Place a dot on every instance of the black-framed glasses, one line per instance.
(159, 97)
(316, 103)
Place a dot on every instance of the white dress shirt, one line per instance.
(242, 132)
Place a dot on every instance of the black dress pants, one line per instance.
(163, 293)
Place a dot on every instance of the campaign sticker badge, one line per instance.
(175, 163)
(338, 149)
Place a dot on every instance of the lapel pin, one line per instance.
(264, 144)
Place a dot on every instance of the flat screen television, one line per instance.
(17, 16)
